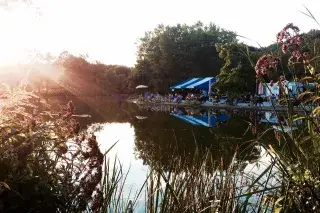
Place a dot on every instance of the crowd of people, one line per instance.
(202, 96)
(178, 97)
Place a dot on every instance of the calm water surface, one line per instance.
(161, 134)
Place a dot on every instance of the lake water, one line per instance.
(149, 134)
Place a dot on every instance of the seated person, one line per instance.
(204, 96)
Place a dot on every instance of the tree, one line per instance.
(312, 45)
(170, 54)
(95, 78)
(237, 76)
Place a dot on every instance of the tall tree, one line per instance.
(237, 75)
(170, 54)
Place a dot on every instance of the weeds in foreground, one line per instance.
(46, 162)
(297, 155)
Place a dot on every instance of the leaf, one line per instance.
(32, 95)
(316, 99)
(300, 96)
(309, 14)
(308, 79)
(311, 70)
(299, 118)
(316, 110)
(313, 59)
(272, 150)
(279, 200)
(278, 210)
(6, 186)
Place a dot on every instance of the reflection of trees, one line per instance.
(163, 140)
(101, 109)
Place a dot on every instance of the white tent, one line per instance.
(273, 89)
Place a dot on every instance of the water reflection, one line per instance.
(163, 138)
(279, 122)
(205, 118)
(159, 136)
(123, 134)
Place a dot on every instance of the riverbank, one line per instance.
(277, 108)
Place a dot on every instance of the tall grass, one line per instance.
(195, 190)
(297, 154)
(199, 188)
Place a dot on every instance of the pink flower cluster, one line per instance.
(290, 41)
(266, 63)
(289, 37)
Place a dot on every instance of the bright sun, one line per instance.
(17, 29)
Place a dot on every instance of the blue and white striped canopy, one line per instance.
(195, 83)
(198, 120)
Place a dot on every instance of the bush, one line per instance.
(47, 163)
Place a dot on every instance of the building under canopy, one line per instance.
(196, 83)
(291, 88)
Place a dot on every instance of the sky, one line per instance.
(108, 31)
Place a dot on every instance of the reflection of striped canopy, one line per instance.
(198, 120)
(195, 83)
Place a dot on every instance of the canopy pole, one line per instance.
(209, 90)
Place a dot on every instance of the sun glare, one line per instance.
(18, 25)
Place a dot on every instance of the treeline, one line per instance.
(95, 78)
(170, 54)
(75, 75)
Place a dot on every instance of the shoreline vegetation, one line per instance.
(49, 164)
(224, 106)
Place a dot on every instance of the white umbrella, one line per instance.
(141, 87)
(140, 117)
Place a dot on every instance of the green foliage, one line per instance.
(237, 76)
(170, 54)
